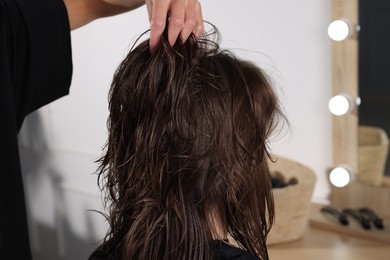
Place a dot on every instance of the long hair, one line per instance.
(189, 128)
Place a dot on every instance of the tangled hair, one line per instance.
(188, 141)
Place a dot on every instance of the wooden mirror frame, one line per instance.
(345, 79)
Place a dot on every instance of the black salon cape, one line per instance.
(35, 69)
(222, 251)
(225, 251)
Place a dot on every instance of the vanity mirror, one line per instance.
(374, 65)
(360, 67)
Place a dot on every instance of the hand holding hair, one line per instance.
(184, 17)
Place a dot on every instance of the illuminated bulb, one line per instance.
(340, 176)
(339, 105)
(339, 30)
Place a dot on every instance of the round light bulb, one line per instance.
(339, 105)
(340, 177)
(339, 30)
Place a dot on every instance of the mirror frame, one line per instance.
(345, 80)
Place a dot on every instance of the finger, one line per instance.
(199, 19)
(190, 21)
(176, 20)
(157, 22)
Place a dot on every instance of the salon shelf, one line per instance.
(324, 243)
(358, 194)
(321, 221)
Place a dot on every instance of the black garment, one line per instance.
(222, 251)
(35, 69)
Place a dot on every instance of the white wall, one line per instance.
(60, 142)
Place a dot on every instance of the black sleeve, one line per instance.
(35, 69)
(43, 73)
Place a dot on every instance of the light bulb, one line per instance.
(340, 30)
(340, 176)
(340, 104)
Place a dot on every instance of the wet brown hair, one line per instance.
(188, 135)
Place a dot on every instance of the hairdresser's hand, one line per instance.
(185, 16)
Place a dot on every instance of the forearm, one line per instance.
(81, 12)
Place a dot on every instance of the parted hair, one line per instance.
(188, 141)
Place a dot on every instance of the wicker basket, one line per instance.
(373, 146)
(291, 202)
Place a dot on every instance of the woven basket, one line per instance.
(373, 146)
(291, 202)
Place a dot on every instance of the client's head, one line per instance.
(185, 161)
